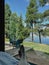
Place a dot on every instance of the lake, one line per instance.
(44, 39)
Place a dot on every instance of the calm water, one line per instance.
(44, 40)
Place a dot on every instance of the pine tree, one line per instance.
(7, 19)
(13, 27)
(31, 13)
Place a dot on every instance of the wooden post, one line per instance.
(2, 25)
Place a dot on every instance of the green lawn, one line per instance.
(37, 46)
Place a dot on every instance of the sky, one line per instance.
(20, 6)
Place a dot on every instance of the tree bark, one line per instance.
(39, 37)
(32, 32)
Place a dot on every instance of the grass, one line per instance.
(37, 46)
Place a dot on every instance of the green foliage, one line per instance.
(13, 21)
(32, 3)
(14, 28)
(39, 16)
(7, 19)
(46, 13)
(43, 2)
(46, 32)
(21, 32)
(7, 11)
(19, 29)
(31, 11)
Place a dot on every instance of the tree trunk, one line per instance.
(39, 37)
(32, 32)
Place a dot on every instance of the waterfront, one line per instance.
(44, 39)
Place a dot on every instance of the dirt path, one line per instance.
(37, 57)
